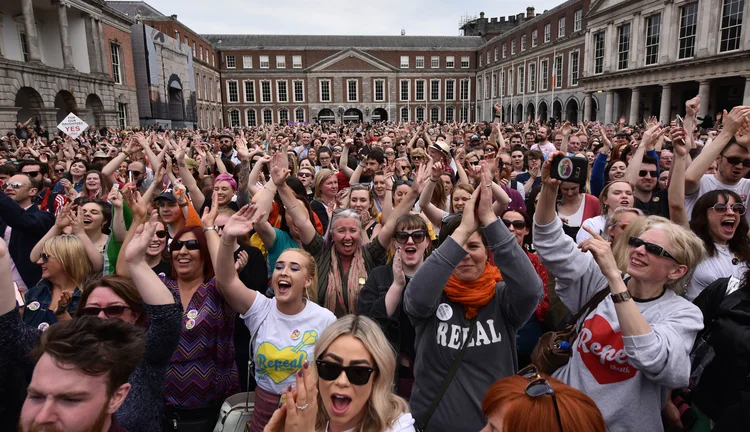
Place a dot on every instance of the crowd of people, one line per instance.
(378, 277)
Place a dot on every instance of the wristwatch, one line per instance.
(621, 297)
(211, 228)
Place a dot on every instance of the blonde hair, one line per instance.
(383, 406)
(320, 178)
(372, 210)
(686, 247)
(310, 293)
(70, 251)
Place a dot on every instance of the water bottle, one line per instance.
(563, 346)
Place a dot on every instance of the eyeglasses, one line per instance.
(417, 158)
(45, 257)
(161, 233)
(337, 149)
(538, 386)
(734, 160)
(14, 185)
(189, 245)
(517, 224)
(653, 249)
(60, 170)
(399, 182)
(475, 163)
(402, 237)
(489, 150)
(304, 174)
(109, 311)
(642, 173)
(134, 173)
(357, 375)
(32, 173)
(721, 208)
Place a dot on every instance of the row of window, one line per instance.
(450, 62)
(422, 90)
(730, 29)
(527, 80)
(205, 89)
(208, 117)
(264, 62)
(491, 55)
(199, 53)
(266, 116)
(282, 115)
(436, 113)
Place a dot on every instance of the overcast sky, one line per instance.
(337, 17)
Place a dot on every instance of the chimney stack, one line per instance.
(530, 12)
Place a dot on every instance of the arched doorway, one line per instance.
(94, 111)
(30, 103)
(543, 111)
(65, 104)
(176, 100)
(326, 115)
(557, 110)
(508, 113)
(518, 115)
(379, 114)
(530, 111)
(571, 111)
(352, 115)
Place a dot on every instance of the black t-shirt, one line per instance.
(658, 206)
(163, 268)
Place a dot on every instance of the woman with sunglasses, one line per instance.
(458, 296)
(519, 224)
(306, 175)
(149, 305)
(636, 342)
(615, 195)
(356, 368)
(286, 326)
(382, 296)
(530, 401)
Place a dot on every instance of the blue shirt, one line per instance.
(37, 313)
(283, 242)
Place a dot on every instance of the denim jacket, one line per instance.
(36, 310)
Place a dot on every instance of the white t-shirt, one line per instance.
(712, 268)
(709, 183)
(596, 224)
(405, 423)
(283, 342)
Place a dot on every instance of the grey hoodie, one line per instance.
(441, 326)
(627, 376)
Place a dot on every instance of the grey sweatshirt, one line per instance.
(627, 376)
(441, 327)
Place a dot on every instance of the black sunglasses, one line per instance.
(474, 163)
(109, 311)
(357, 375)
(135, 173)
(517, 224)
(734, 160)
(304, 174)
(32, 173)
(642, 173)
(337, 149)
(721, 208)
(161, 233)
(416, 158)
(14, 185)
(189, 244)
(62, 170)
(45, 257)
(418, 236)
(538, 386)
(653, 249)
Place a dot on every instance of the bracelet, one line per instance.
(211, 228)
(126, 153)
(292, 207)
(183, 205)
(225, 243)
(432, 180)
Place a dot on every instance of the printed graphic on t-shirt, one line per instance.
(452, 335)
(603, 352)
(280, 363)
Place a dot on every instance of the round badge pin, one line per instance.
(565, 169)
(444, 312)
(656, 199)
(295, 334)
(34, 305)
(362, 281)
(190, 324)
(43, 326)
(192, 313)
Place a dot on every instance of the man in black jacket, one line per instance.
(22, 225)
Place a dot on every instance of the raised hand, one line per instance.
(681, 142)
(602, 251)
(62, 305)
(279, 169)
(734, 119)
(436, 170)
(115, 198)
(566, 129)
(652, 134)
(547, 168)
(241, 261)
(241, 222)
(135, 253)
(209, 214)
(399, 278)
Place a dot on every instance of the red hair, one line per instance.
(578, 412)
(208, 268)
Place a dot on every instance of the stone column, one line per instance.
(1, 35)
(666, 104)
(746, 96)
(609, 107)
(102, 48)
(587, 107)
(67, 50)
(704, 91)
(635, 102)
(96, 62)
(29, 24)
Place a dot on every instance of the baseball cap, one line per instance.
(475, 137)
(166, 194)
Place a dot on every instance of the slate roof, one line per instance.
(133, 8)
(321, 41)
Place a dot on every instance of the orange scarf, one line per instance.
(474, 294)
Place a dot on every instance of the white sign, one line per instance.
(72, 125)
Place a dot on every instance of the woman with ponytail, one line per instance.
(459, 296)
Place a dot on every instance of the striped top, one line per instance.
(202, 370)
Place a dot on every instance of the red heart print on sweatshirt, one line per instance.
(603, 352)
